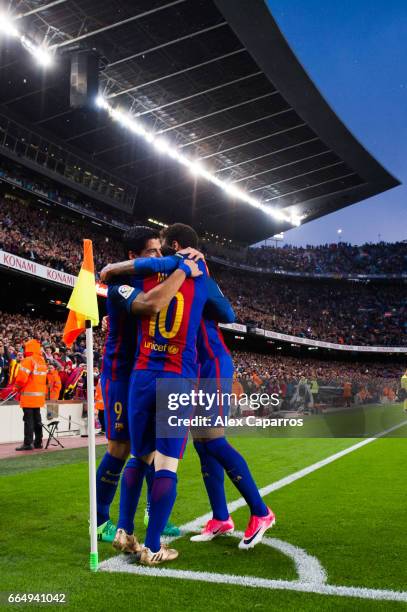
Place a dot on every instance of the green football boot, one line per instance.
(106, 532)
(170, 530)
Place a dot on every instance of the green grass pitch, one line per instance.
(351, 515)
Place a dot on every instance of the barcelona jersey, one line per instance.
(166, 341)
(121, 338)
(210, 342)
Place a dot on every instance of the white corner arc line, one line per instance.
(283, 482)
(308, 567)
(118, 564)
(311, 575)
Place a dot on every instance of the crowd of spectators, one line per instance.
(279, 368)
(328, 383)
(337, 258)
(333, 311)
(53, 241)
(43, 187)
(339, 312)
(16, 329)
(256, 371)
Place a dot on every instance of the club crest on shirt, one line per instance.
(125, 291)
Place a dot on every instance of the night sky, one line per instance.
(356, 54)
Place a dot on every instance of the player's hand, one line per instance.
(107, 273)
(193, 254)
(193, 266)
(105, 324)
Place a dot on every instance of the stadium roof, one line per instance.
(218, 80)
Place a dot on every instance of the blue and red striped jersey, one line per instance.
(210, 342)
(121, 338)
(167, 341)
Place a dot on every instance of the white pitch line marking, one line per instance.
(283, 482)
(311, 575)
(121, 564)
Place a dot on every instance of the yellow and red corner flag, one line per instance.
(83, 302)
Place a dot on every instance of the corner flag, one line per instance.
(83, 303)
(83, 314)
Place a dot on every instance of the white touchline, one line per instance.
(283, 482)
(311, 575)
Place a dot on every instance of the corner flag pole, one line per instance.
(94, 557)
(83, 314)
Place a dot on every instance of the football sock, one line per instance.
(163, 494)
(239, 473)
(149, 480)
(107, 480)
(130, 489)
(213, 476)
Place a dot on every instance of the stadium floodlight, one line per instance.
(164, 147)
(232, 191)
(7, 26)
(156, 222)
(161, 145)
(295, 220)
(101, 102)
(42, 56)
(196, 168)
(40, 53)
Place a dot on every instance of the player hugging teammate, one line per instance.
(155, 304)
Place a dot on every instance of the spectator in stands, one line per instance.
(3, 366)
(339, 312)
(336, 258)
(53, 383)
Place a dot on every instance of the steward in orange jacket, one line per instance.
(54, 383)
(347, 393)
(99, 406)
(31, 385)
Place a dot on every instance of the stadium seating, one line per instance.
(257, 372)
(340, 312)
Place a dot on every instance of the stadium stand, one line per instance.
(380, 258)
(256, 371)
(335, 311)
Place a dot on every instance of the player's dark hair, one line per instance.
(184, 234)
(136, 238)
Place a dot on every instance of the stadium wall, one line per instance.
(12, 425)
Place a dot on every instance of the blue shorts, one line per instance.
(216, 377)
(145, 435)
(115, 398)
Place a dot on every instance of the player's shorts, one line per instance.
(115, 398)
(145, 435)
(216, 377)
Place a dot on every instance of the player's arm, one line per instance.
(138, 302)
(217, 306)
(147, 266)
